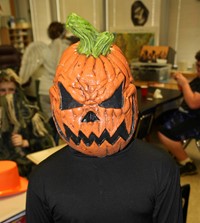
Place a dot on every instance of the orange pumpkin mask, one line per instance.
(93, 98)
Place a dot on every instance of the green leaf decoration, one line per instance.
(92, 42)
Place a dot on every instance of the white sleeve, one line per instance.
(32, 59)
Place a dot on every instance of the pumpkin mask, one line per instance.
(93, 99)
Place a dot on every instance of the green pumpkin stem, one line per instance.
(91, 41)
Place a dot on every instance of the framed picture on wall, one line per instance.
(131, 43)
(132, 14)
(129, 36)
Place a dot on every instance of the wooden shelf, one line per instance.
(18, 37)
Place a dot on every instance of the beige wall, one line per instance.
(92, 10)
(184, 29)
(176, 22)
(41, 18)
(119, 15)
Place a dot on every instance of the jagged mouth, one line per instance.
(121, 132)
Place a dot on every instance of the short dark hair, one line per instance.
(197, 56)
(55, 30)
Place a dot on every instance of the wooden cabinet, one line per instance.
(20, 37)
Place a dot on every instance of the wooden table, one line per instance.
(39, 156)
(12, 207)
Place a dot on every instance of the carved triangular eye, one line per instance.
(115, 101)
(67, 102)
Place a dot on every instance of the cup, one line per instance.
(144, 90)
(179, 87)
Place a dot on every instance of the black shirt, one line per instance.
(195, 86)
(139, 184)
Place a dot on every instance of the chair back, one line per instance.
(144, 125)
(10, 57)
(198, 144)
(186, 142)
(185, 190)
(37, 85)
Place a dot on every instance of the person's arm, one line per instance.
(19, 141)
(192, 98)
(32, 59)
(38, 141)
(36, 210)
(168, 198)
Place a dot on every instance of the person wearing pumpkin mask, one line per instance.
(22, 126)
(102, 175)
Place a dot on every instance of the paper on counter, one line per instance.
(157, 94)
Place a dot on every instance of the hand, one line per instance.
(17, 140)
(181, 80)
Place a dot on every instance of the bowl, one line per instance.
(161, 61)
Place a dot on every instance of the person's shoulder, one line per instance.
(66, 42)
(150, 151)
(51, 162)
(34, 54)
(59, 41)
(36, 45)
(158, 159)
(59, 44)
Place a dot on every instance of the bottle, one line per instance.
(12, 22)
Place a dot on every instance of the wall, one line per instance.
(176, 22)
(5, 8)
(22, 9)
(5, 12)
(119, 15)
(92, 10)
(41, 18)
(184, 29)
(45, 11)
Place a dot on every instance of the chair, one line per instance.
(37, 85)
(185, 190)
(187, 142)
(198, 144)
(144, 125)
(10, 57)
(56, 136)
(55, 133)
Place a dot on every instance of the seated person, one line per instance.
(23, 127)
(183, 123)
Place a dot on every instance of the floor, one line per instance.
(193, 215)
